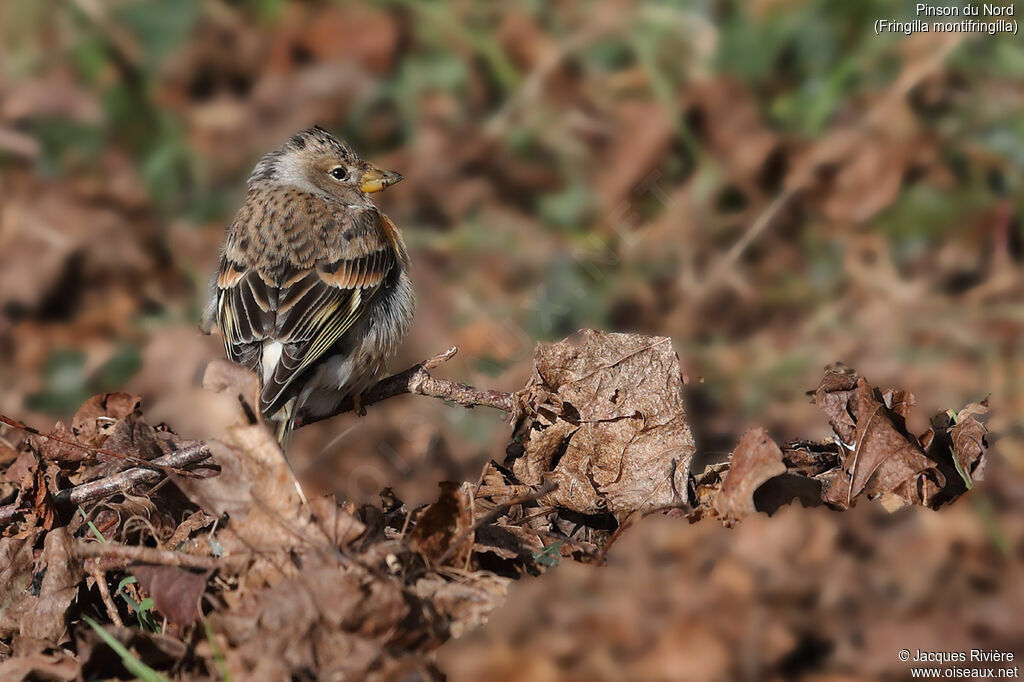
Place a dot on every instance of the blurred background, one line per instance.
(770, 183)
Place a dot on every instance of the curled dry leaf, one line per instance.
(833, 397)
(604, 419)
(255, 478)
(95, 420)
(46, 615)
(969, 441)
(441, 524)
(755, 460)
(15, 578)
(881, 458)
(872, 455)
(175, 591)
(38, 495)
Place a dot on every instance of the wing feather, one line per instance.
(308, 314)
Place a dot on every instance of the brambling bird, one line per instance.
(313, 290)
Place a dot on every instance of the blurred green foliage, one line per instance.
(806, 63)
(68, 384)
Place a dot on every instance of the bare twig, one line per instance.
(118, 483)
(111, 485)
(602, 21)
(763, 221)
(417, 380)
(131, 554)
(97, 573)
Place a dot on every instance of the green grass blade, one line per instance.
(133, 664)
(218, 655)
(92, 526)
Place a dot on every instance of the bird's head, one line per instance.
(315, 161)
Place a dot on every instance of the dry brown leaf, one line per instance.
(47, 616)
(466, 603)
(95, 420)
(969, 439)
(727, 118)
(255, 478)
(24, 465)
(755, 460)
(833, 396)
(47, 247)
(63, 450)
(40, 498)
(619, 440)
(193, 522)
(15, 578)
(648, 132)
(441, 524)
(321, 613)
(505, 543)
(900, 402)
(886, 460)
(868, 181)
(335, 33)
(175, 591)
(47, 663)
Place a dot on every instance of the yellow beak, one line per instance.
(375, 179)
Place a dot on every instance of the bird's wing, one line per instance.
(302, 316)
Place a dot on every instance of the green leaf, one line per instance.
(143, 610)
(549, 556)
(160, 25)
(65, 383)
(116, 371)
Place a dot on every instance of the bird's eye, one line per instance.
(338, 173)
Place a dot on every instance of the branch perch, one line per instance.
(417, 380)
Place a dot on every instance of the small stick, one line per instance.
(130, 554)
(93, 568)
(120, 482)
(129, 478)
(417, 380)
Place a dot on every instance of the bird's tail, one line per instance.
(283, 423)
